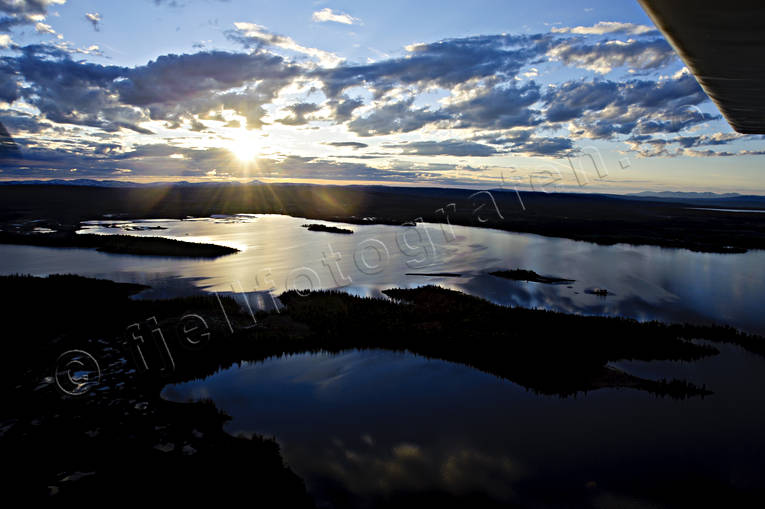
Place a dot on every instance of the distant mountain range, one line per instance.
(692, 198)
(679, 194)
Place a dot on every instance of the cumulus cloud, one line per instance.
(328, 14)
(9, 82)
(171, 88)
(94, 19)
(497, 108)
(604, 108)
(501, 107)
(69, 92)
(398, 117)
(478, 70)
(343, 107)
(524, 141)
(445, 64)
(645, 145)
(542, 146)
(28, 6)
(26, 12)
(459, 148)
(180, 78)
(43, 28)
(251, 35)
(478, 96)
(604, 56)
(18, 121)
(298, 112)
(608, 27)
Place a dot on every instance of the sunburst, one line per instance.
(244, 145)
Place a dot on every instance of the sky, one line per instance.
(546, 95)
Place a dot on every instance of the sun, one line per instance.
(244, 146)
(244, 151)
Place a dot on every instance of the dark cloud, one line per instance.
(8, 147)
(646, 145)
(298, 113)
(445, 63)
(154, 160)
(676, 120)
(179, 78)
(498, 108)
(23, 12)
(604, 108)
(604, 56)
(27, 6)
(343, 107)
(458, 148)
(9, 82)
(572, 99)
(177, 86)
(716, 153)
(17, 121)
(170, 88)
(540, 146)
(100, 159)
(351, 144)
(452, 62)
(70, 92)
(8, 22)
(398, 117)
(523, 141)
(487, 98)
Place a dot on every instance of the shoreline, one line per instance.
(599, 219)
(125, 412)
(119, 244)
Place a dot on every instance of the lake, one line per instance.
(644, 282)
(364, 427)
(373, 428)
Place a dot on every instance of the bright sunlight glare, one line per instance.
(244, 146)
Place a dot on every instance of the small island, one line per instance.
(434, 274)
(529, 275)
(324, 228)
(132, 227)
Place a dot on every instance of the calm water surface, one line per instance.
(645, 282)
(365, 427)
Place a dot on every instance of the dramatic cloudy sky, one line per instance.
(578, 95)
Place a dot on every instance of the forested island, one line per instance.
(120, 244)
(529, 275)
(328, 229)
(603, 219)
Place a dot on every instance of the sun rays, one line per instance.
(244, 146)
